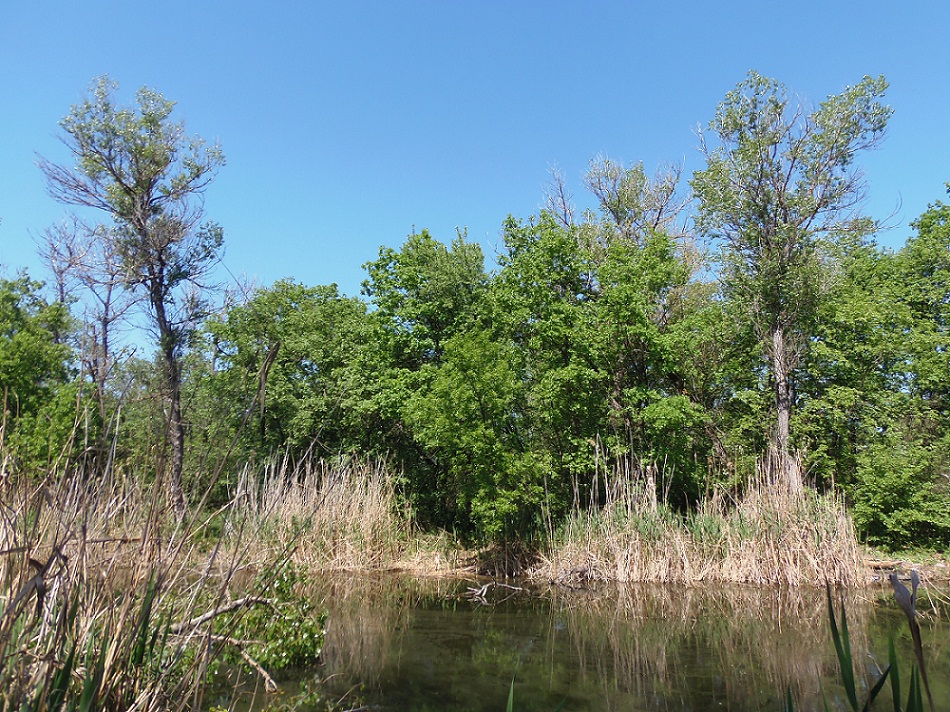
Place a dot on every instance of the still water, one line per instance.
(414, 645)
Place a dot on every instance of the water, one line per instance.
(411, 645)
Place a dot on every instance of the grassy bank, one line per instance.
(766, 536)
(350, 517)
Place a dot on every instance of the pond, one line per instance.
(411, 645)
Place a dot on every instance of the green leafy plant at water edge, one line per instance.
(842, 642)
(266, 635)
(287, 632)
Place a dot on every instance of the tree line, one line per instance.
(688, 335)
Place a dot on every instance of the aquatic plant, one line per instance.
(765, 535)
(841, 638)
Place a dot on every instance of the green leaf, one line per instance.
(843, 649)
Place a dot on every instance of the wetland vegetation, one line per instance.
(641, 410)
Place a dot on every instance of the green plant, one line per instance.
(287, 631)
(842, 642)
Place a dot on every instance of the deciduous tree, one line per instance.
(137, 165)
(779, 182)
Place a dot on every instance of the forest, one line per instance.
(692, 337)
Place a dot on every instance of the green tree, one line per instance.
(872, 387)
(645, 312)
(39, 397)
(848, 384)
(472, 419)
(423, 295)
(779, 184)
(541, 300)
(292, 352)
(139, 166)
(903, 493)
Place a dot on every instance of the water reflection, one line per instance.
(417, 644)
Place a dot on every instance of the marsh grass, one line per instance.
(90, 584)
(768, 535)
(109, 602)
(324, 516)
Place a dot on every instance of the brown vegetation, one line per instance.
(768, 535)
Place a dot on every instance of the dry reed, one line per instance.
(769, 535)
(323, 516)
(99, 591)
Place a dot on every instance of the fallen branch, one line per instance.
(478, 594)
(269, 683)
(227, 608)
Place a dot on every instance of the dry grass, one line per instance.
(768, 536)
(99, 586)
(324, 517)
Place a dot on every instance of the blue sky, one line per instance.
(346, 125)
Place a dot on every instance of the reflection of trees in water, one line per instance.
(933, 614)
(751, 643)
(645, 646)
(367, 615)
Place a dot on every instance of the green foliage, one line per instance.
(470, 417)
(612, 343)
(873, 393)
(288, 635)
(895, 501)
(33, 358)
(43, 406)
(425, 293)
(290, 358)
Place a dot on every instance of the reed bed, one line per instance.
(324, 516)
(110, 602)
(92, 584)
(769, 535)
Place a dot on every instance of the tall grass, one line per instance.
(86, 598)
(108, 602)
(767, 535)
(342, 516)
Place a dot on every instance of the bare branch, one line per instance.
(557, 198)
(220, 610)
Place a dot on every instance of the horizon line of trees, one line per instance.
(751, 329)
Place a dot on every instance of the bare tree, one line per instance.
(636, 203)
(138, 166)
(88, 270)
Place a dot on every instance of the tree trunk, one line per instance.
(168, 339)
(176, 435)
(784, 467)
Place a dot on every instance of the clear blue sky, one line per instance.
(347, 124)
